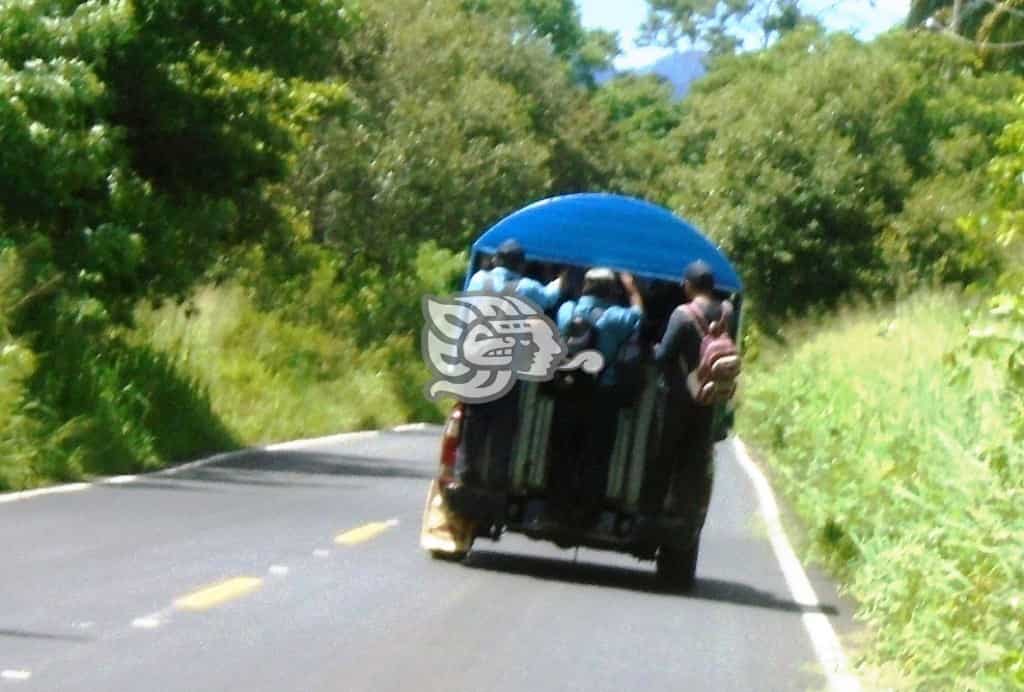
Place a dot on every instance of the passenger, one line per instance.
(509, 264)
(484, 454)
(584, 426)
(690, 440)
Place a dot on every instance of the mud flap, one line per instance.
(443, 531)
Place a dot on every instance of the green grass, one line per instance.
(905, 468)
(187, 382)
(92, 403)
(271, 380)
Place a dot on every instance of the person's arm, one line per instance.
(552, 293)
(476, 282)
(729, 317)
(671, 344)
(546, 297)
(636, 300)
(565, 315)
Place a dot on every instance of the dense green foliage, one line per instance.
(911, 487)
(916, 411)
(139, 142)
(137, 138)
(445, 141)
(1003, 341)
(95, 401)
(826, 152)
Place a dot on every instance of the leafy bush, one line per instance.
(19, 457)
(1002, 340)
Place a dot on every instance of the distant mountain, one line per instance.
(679, 69)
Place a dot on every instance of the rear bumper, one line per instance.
(614, 530)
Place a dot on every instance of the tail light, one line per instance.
(450, 443)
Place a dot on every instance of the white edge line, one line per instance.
(312, 442)
(823, 637)
(51, 490)
(120, 480)
(15, 674)
(173, 470)
(410, 427)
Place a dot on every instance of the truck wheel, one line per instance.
(677, 567)
(448, 557)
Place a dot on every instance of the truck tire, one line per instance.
(677, 567)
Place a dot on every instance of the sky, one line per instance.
(865, 18)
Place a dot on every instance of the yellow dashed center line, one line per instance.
(215, 594)
(364, 533)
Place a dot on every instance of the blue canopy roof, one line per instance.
(605, 230)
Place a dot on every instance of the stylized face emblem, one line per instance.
(527, 346)
(478, 344)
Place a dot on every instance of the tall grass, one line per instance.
(19, 455)
(84, 397)
(904, 466)
(77, 399)
(271, 379)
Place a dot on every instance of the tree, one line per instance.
(138, 140)
(458, 120)
(995, 26)
(642, 112)
(723, 25)
(818, 164)
(446, 141)
(558, 21)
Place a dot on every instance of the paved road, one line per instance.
(300, 570)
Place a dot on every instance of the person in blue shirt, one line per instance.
(510, 261)
(485, 451)
(584, 428)
(615, 324)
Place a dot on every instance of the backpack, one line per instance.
(580, 335)
(713, 381)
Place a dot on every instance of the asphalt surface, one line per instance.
(287, 571)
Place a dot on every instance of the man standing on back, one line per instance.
(507, 276)
(584, 431)
(687, 432)
(484, 453)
